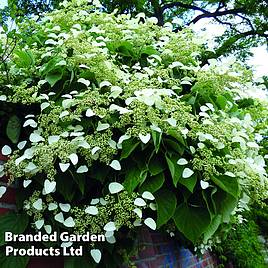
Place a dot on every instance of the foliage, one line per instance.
(242, 246)
(246, 21)
(117, 113)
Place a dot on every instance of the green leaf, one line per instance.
(81, 181)
(24, 59)
(225, 204)
(191, 221)
(155, 165)
(189, 183)
(175, 169)
(12, 222)
(128, 146)
(212, 228)
(221, 101)
(66, 187)
(53, 78)
(166, 204)
(133, 179)
(175, 134)
(13, 128)
(228, 184)
(152, 184)
(13, 261)
(174, 146)
(157, 138)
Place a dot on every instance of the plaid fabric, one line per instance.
(158, 251)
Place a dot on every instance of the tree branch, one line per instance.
(234, 11)
(187, 6)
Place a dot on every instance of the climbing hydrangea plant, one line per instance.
(122, 125)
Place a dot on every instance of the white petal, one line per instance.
(92, 210)
(64, 167)
(44, 105)
(21, 145)
(65, 207)
(110, 226)
(30, 122)
(89, 113)
(66, 244)
(204, 184)
(148, 195)
(49, 186)
(182, 161)
(53, 139)
(94, 201)
(3, 189)
(172, 122)
(52, 206)
(105, 84)
(187, 172)
(48, 229)
(59, 217)
(115, 187)
(34, 137)
(73, 158)
(115, 165)
(69, 222)
(138, 212)
(64, 113)
(26, 183)
(95, 149)
(96, 255)
(39, 224)
(139, 202)
(150, 223)
(82, 169)
(38, 204)
(3, 98)
(145, 138)
(102, 126)
(84, 81)
(6, 150)
(111, 239)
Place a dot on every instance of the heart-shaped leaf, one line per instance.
(69, 222)
(145, 138)
(59, 217)
(38, 204)
(52, 206)
(49, 186)
(64, 167)
(39, 224)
